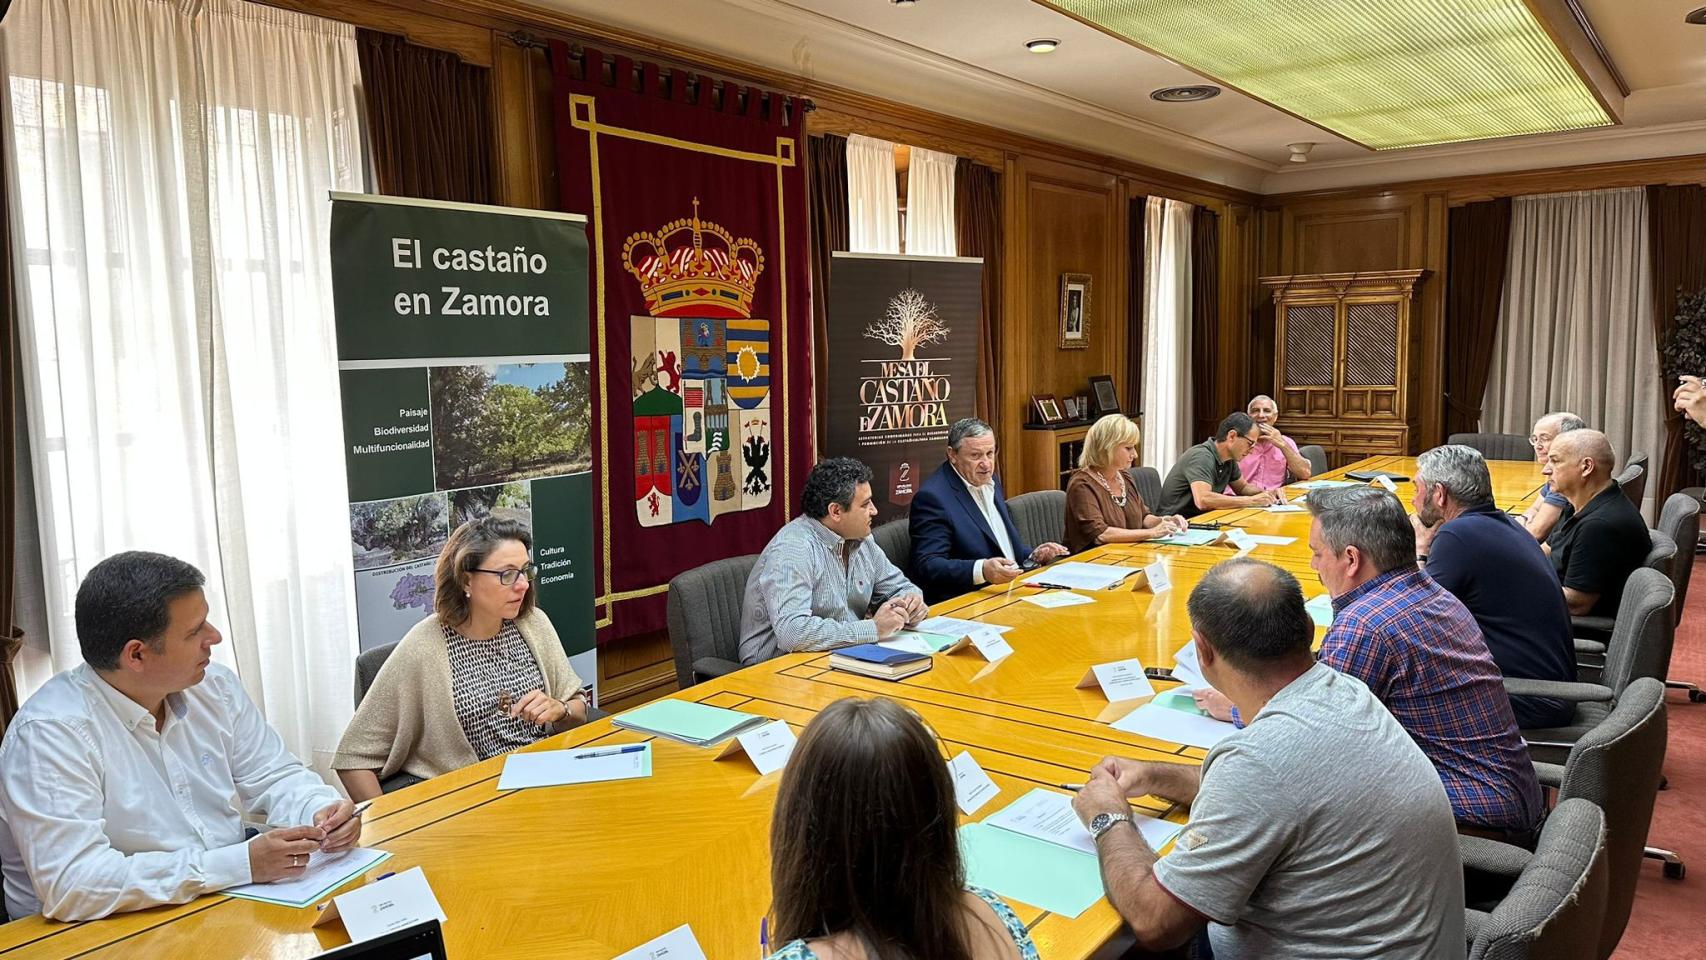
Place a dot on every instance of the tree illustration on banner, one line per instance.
(909, 322)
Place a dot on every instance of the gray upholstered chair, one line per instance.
(1614, 766)
(1147, 480)
(1592, 632)
(1639, 648)
(1633, 480)
(1040, 516)
(894, 539)
(704, 618)
(1316, 455)
(367, 664)
(1554, 911)
(1496, 446)
(1680, 520)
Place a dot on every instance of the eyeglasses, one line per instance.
(508, 577)
(1536, 439)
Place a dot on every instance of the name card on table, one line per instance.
(1153, 577)
(384, 906)
(769, 746)
(972, 787)
(1386, 482)
(1236, 537)
(1120, 680)
(678, 944)
(990, 643)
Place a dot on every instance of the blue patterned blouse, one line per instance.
(797, 950)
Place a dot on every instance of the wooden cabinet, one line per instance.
(1050, 454)
(1346, 361)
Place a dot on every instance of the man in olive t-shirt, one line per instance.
(1195, 483)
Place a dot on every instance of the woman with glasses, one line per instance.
(484, 674)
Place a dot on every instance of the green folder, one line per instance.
(1180, 700)
(1046, 875)
(1190, 538)
(686, 721)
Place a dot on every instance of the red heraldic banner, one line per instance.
(701, 318)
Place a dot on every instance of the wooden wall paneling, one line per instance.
(1488, 186)
(516, 111)
(1239, 268)
(1427, 325)
(1267, 258)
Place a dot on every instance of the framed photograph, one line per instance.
(1070, 405)
(1075, 311)
(1105, 399)
(1048, 409)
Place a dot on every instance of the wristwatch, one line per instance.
(1103, 822)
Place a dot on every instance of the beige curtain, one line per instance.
(1575, 323)
(930, 204)
(1166, 332)
(873, 202)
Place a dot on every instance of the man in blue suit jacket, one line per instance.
(962, 532)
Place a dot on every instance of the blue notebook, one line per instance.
(872, 653)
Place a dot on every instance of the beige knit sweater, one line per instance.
(408, 721)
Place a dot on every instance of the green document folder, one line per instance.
(688, 722)
(1190, 538)
(1046, 875)
(1180, 700)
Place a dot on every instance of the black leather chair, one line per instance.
(367, 664)
(1496, 446)
(704, 618)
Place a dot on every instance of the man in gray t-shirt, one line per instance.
(1196, 482)
(1320, 830)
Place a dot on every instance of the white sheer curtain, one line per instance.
(930, 204)
(1166, 332)
(873, 202)
(1575, 324)
(171, 163)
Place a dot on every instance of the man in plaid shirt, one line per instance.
(1419, 649)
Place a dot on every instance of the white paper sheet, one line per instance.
(1320, 610)
(1047, 815)
(1269, 541)
(552, 768)
(1174, 726)
(972, 787)
(1190, 538)
(678, 944)
(955, 627)
(1292, 507)
(1186, 669)
(1081, 576)
(1058, 598)
(326, 872)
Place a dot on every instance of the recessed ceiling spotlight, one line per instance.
(1043, 45)
(1698, 17)
(1300, 151)
(1199, 91)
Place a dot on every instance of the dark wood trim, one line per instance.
(1598, 47)
(1487, 186)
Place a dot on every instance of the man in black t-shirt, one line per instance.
(1605, 540)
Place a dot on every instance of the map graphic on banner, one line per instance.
(463, 364)
(902, 340)
(700, 374)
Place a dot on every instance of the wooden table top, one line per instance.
(592, 870)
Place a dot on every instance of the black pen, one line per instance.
(1074, 787)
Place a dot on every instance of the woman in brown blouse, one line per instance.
(1102, 504)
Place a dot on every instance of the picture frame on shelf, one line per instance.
(1105, 399)
(1070, 406)
(1047, 408)
(1075, 311)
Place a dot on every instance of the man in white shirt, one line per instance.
(124, 782)
(962, 533)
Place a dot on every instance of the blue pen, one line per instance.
(763, 937)
(615, 751)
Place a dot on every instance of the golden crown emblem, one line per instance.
(715, 278)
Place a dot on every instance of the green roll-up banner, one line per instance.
(462, 355)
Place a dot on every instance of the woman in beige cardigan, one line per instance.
(483, 675)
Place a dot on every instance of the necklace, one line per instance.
(1119, 498)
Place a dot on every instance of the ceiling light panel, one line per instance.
(1382, 73)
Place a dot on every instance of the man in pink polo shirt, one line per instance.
(1275, 454)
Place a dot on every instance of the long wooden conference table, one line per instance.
(593, 870)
